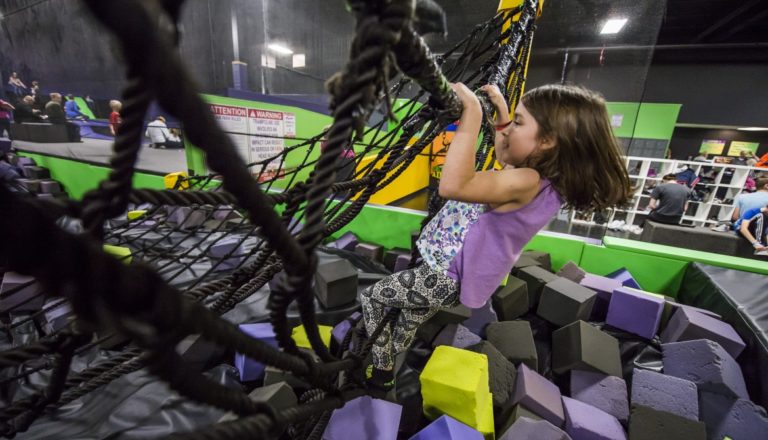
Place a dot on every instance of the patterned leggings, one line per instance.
(419, 293)
(759, 228)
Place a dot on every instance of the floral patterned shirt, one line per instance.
(443, 237)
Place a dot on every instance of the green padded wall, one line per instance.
(561, 249)
(79, 177)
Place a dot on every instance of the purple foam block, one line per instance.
(607, 393)
(706, 364)
(604, 288)
(226, 254)
(25, 162)
(665, 393)
(224, 213)
(527, 429)
(635, 312)
(364, 418)
(341, 329)
(687, 325)
(585, 422)
(456, 335)
(676, 306)
(734, 418)
(571, 271)
(625, 278)
(186, 217)
(447, 428)
(250, 369)
(348, 242)
(20, 293)
(371, 251)
(539, 395)
(402, 262)
(480, 318)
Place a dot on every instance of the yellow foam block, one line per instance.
(172, 180)
(133, 215)
(121, 253)
(299, 336)
(455, 382)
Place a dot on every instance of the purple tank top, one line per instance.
(478, 247)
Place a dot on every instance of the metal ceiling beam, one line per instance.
(743, 25)
(725, 20)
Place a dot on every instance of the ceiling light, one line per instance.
(753, 129)
(279, 48)
(299, 60)
(613, 26)
(268, 61)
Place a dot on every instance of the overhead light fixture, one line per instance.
(279, 48)
(613, 26)
(753, 129)
(299, 60)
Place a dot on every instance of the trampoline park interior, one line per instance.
(212, 291)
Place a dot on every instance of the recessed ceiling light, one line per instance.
(613, 26)
(279, 48)
(753, 129)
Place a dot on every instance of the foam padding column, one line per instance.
(466, 396)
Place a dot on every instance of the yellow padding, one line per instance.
(121, 253)
(133, 215)
(171, 180)
(455, 382)
(299, 336)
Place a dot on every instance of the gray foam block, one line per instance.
(35, 172)
(274, 375)
(580, 346)
(649, 424)
(50, 187)
(348, 241)
(507, 417)
(30, 185)
(443, 317)
(456, 335)
(20, 293)
(538, 395)
(563, 302)
(501, 373)
(511, 301)
(514, 339)
(480, 318)
(371, 251)
(198, 353)
(584, 421)
(528, 429)
(390, 257)
(734, 418)
(665, 393)
(279, 396)
(571, 271)
(543, 258)
(523, 262)
(608, 393)
(706, 364)
(336, 283)
(535, 277)
(687, 324)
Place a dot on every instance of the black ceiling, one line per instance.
(682, 30)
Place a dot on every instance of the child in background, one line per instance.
(115, 120)
(558, 148)
(754, 227)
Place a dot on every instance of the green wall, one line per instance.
(78, 177)
(645, 120)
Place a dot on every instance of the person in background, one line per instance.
(72, 110)
(741, 160)
(752, 159)
(90, 103)
(5, 118)
(746, 202)
(56, 115)
(669, 201)
(17, 85)
(701, 157)
(754, 227)
(25, 113)
(159, 136)
(35, 92)
(115, 120)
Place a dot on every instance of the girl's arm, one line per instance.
(461, 182)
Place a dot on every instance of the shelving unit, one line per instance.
(727, 182)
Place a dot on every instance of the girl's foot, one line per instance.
(380, 380)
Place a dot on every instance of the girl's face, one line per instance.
(520, 138)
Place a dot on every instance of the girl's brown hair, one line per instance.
(585, 166)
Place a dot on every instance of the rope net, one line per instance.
(176, 284)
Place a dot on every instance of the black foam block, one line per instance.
(514, 340)
(511, 301)
(543, 258)
(390, 257)
(536, 278)
(50, 187)
(563, 302)
(580, 346)
(30, 185)
(336, 283)
(454, 315)
(35, 172)
(198, 353)
(502, 374)
(279, 396)
(523, 262)
(508, 416)
(649, 424)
